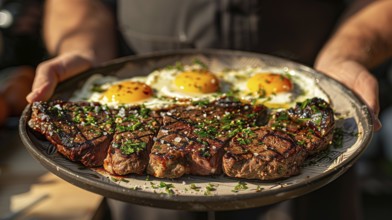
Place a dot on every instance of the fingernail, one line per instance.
(30, 97)
(377, 124)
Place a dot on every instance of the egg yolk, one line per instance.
(197, 82)
(266, 84)
(127, 92)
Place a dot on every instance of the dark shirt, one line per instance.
(291, 29)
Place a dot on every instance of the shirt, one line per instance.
(290, 29)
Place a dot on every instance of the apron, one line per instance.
(290, 29)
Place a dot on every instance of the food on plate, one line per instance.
(135, 128)
(80, 131)
(266, 84)
(254, 123)
(274, 88)
(278, 149)
(127, 92)
(192, 137)
(197, 81)
(188, 138)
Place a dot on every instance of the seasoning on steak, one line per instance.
(80, 131)
(310, 123)
(192, 138)
(199, 138)
(129, 151)
(278, 149)
(263, 153)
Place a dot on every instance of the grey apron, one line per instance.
(286, 28)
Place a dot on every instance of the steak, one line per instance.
(192, 137)
(264, 154)
(80, 131)
(129, 151)
(278, 149)
(202, 138)
(310, 123)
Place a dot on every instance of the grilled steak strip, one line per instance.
(278, 149)
(135, 129)
(310, 123)
(80, 131)
(188, 139)
(192, 138)
(263, 153)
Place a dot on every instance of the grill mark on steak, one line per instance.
(270, 146)
(188, 139)
(131, 145)
(266, 155)
(307, 128)
(192, 138)
(310, 123)
(84, 143)
(178, 132)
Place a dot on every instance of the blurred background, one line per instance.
(23, 180)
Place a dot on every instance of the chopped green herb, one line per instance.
(144, 111)
(259, 189)
(135, 188)
(97, 88)
(130, 147)
(202, 102)
(240, 186)
(178, 66)
(305, 103)
(194, 187)
(135, 126)
(124, 180)
(337, 138)
(209, 188)
(114, 179)
(200, 63)
(243, 141)
(204, 152)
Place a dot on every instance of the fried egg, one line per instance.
(188, 82)
(275, 88)
(114, 92)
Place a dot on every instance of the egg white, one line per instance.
(87, 92)
(303, 87)
(162, 81)
(231, 82)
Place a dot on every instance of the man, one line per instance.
(82, 34)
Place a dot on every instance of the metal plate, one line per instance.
(210, 193)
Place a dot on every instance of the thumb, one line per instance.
(54, 71)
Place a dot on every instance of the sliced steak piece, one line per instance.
(192, 138)
(135, 129)
(80, 131)
(310, 123)
(263, 153)
(314, 113)
(278, 149)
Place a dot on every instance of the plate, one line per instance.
(220, 192)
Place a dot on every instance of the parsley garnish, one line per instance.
(240, 186)
(130, 147)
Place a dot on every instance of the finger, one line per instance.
(53, 71)
(366, 86)
(360, 80)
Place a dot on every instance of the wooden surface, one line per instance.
(23, 179)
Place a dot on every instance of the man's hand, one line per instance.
(54, 71)
(357, 78)
(83, 40)
(361, 42)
